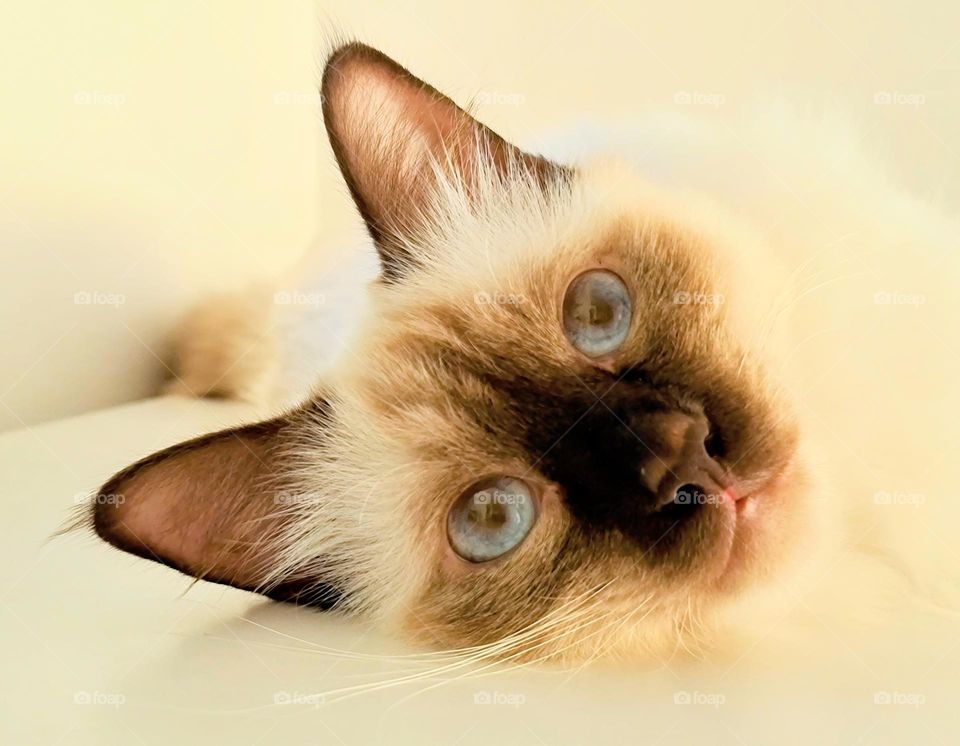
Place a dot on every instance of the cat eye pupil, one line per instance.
(488, 516)
(491, 518)
(600, 313)
(597, 312)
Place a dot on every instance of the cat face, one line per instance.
(664, 471)
(558, 432)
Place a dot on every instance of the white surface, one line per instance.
(164, 662)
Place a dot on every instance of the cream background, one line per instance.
(153, 152)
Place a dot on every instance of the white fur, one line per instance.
(822, 232)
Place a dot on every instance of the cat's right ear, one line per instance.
(393, 135)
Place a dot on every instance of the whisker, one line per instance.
(497, 653)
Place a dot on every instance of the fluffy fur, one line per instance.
(779, 283)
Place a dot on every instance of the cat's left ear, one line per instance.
(393, 134)
(213, 508)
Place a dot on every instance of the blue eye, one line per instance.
(597, 312)
(491, 518)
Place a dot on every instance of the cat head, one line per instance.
(561, 429)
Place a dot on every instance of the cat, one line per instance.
(585, 408)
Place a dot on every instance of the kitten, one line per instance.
(582, 409)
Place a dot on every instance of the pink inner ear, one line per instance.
(387, 129)
(384, 126)
(203, 507)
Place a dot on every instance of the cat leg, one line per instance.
(226, 347)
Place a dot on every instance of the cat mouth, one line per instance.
(744, 510)
(752, 517)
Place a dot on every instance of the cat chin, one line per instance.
(782, 541)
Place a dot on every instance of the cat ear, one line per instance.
(212, 508)
(390, 131)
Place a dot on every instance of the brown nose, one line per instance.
(678, 469)
(634, 463)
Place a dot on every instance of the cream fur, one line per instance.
(806, 237)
